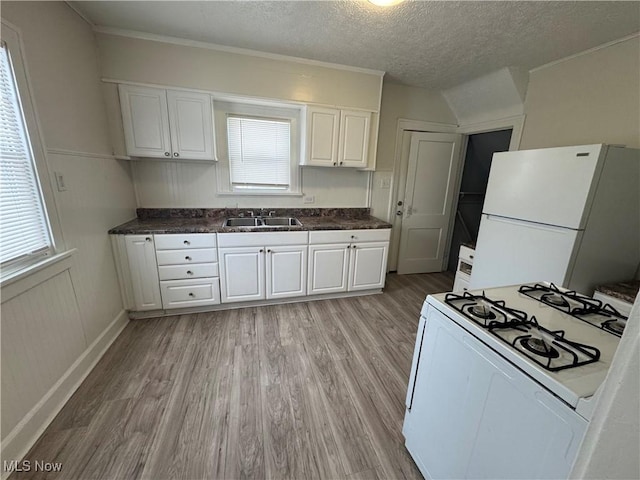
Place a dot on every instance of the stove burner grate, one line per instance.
(539, 347)
(615, 325)
(555, 299)
(482, 311)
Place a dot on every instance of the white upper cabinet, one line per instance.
(354, 138)
(145, 121)
(322, 136)
(191, 125)
(337, 138)
(161, 123)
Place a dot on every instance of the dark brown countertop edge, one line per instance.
(211, 220)
(625, 291)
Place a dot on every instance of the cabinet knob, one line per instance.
(192, 295)
(176, 154)
(353, 247)
(148, 239)
(471, 257)
(261, 250)
(341, 163)
(353, 236)
(167, 154)
(189, 272)
(187, 258)
(335, 163)
(187, 242)
(269, 251)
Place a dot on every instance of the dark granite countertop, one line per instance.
(625, 291)
(157, 221)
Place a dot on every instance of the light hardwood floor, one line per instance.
(304, 390)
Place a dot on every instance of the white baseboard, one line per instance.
(133, 315)
(25, 434)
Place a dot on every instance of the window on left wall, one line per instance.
(25, 233)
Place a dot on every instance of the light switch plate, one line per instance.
(62, 187)
(309, 199)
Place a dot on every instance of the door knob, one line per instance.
(400, 203)
(399, 213)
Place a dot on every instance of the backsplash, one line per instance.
(354, 213)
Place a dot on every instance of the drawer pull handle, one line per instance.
(188, 258)
(148, 239)
(187, 242)
(189, 272)
(192, 295)
(470, 256)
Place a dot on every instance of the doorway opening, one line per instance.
(473, 186)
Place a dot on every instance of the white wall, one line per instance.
(167, 184)
(591, 98)
(411, 103)
(56, 328)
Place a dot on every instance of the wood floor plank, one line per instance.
(305, 390)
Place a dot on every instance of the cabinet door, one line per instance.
(141, 254)
(328, 267)
(368, 265)
(145, 121)
(242, 274)
(354, 139)
(286, 269)
(191, 121)
(322, 136)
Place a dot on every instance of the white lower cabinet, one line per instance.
(358, 262)
(262, 266)
(286, 271)
(168, 271)
(368, 265)
(190, 293)
(328, 268)
(242, 277)
(141, 263)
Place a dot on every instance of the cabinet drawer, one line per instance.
(197, 270)
(349, 236)
(185, 240)
(466, 254)
(185, 257)
(190, 293)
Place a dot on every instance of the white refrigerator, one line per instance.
(568, 215)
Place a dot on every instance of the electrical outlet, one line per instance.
(62, 187)
(385, 182)
(309, 199)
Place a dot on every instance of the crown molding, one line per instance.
(585, 52)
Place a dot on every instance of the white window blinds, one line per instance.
(24, 230)
(259, 152)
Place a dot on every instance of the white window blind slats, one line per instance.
(259, 152)
(24, 230)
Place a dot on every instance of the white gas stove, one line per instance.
(517, 368)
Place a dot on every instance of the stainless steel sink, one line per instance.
(262, 222)
(242, 222)
(281, 222)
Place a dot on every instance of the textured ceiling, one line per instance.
(431, 44)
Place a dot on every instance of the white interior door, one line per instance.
(434, 163)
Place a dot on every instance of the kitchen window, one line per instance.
(259, 154)
(25, 234)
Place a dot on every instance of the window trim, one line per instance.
(11, 36)
(279, 111)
